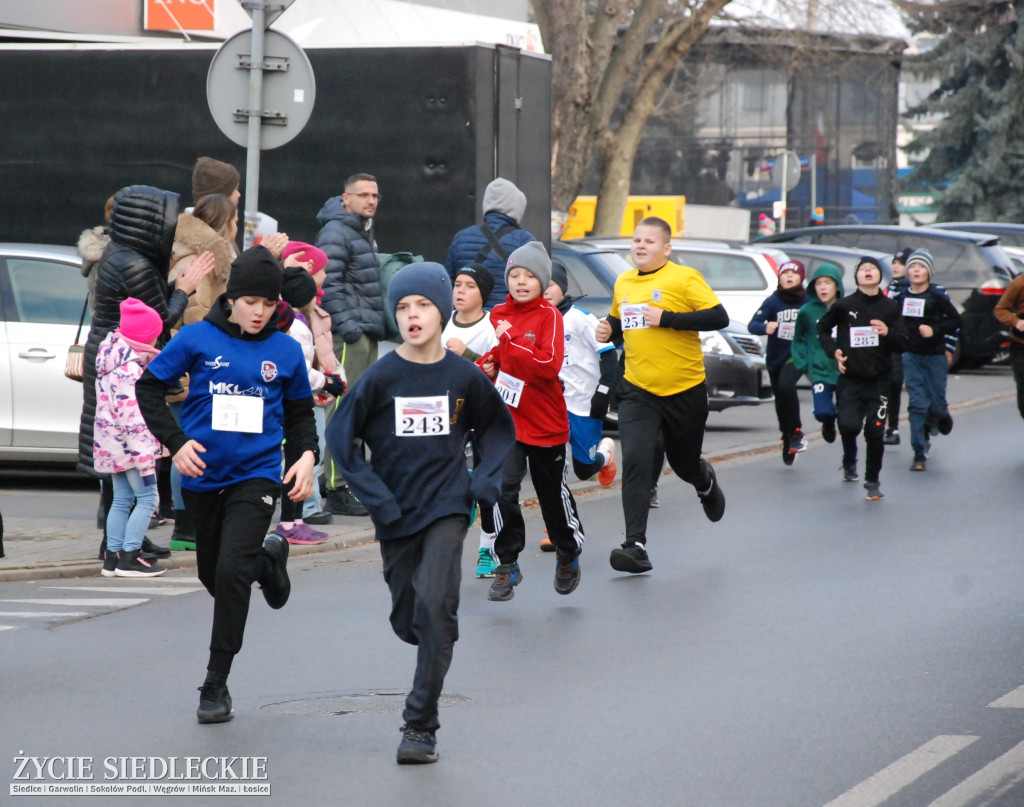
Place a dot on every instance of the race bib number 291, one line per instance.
(421, 417)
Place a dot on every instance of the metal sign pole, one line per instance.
(785, 181)
(252, 160)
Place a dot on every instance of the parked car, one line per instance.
(1009, 235)
(733, 357)
(972, 267)
(42, 295)
(814, 255)
(741, 278)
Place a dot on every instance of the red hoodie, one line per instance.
(531, 351)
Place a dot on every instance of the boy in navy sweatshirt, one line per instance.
(868, 330)
(414, 408)
(777, 318)
(930, 318)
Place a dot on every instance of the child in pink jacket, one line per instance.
(122, 445)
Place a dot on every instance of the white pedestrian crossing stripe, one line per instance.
(119, 602)
(1012, 700)
(890, 781)
(51, 608)
(159, 590)
(998, 778)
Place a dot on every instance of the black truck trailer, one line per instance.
(434, 125)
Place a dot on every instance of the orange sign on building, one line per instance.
(173, 15)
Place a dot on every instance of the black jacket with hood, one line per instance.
(134, 264)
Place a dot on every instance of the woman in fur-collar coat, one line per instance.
(210, 227)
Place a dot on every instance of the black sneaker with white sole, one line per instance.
(109, 563)
(630, 557)
(131, 564)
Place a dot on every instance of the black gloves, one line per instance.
(334, 385)
(599, 404)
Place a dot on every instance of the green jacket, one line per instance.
(808, 355)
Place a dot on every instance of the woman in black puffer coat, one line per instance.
(134, 264)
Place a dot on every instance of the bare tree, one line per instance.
(610, 55)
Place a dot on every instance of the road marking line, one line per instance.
(22, 614)
(98, 603)
(1011, 700)
(8, 627)
(889, 781)
(170, 592)
(997, 778)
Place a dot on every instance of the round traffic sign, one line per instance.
(289, 89)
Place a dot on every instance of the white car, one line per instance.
(740, 278)
(42, 293)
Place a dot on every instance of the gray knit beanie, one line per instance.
(427, 279)
(534, 258)
(923, 257)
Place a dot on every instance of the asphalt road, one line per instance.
(811, 649)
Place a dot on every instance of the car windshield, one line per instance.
(724, 271)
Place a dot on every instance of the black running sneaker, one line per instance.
(276, 586)
(506, 577)
(567, 573)
(874, 492)
(828, 431)
(713, 500)
(132, 564)
(945, 423)
(630, 557)
(920, 463)
(418, 746)
(214, 703)
(850, 472)
(892, 437)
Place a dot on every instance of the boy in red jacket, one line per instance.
(525, 366)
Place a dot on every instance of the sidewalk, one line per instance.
(41, 548)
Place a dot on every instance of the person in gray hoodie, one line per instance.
(489, 244)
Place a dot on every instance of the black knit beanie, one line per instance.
(297, 287)
(254, 273)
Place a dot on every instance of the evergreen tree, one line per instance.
(974, 157)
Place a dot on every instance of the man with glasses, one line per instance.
(353, 297)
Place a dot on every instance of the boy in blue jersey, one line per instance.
(249, 392)
(414, 409)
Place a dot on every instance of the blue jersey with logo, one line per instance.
(272, 370)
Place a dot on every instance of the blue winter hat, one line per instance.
(428, 279)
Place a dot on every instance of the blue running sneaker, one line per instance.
(567, 573)
(506, 577)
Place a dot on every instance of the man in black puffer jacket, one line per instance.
(354, 297)
(134, 264)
